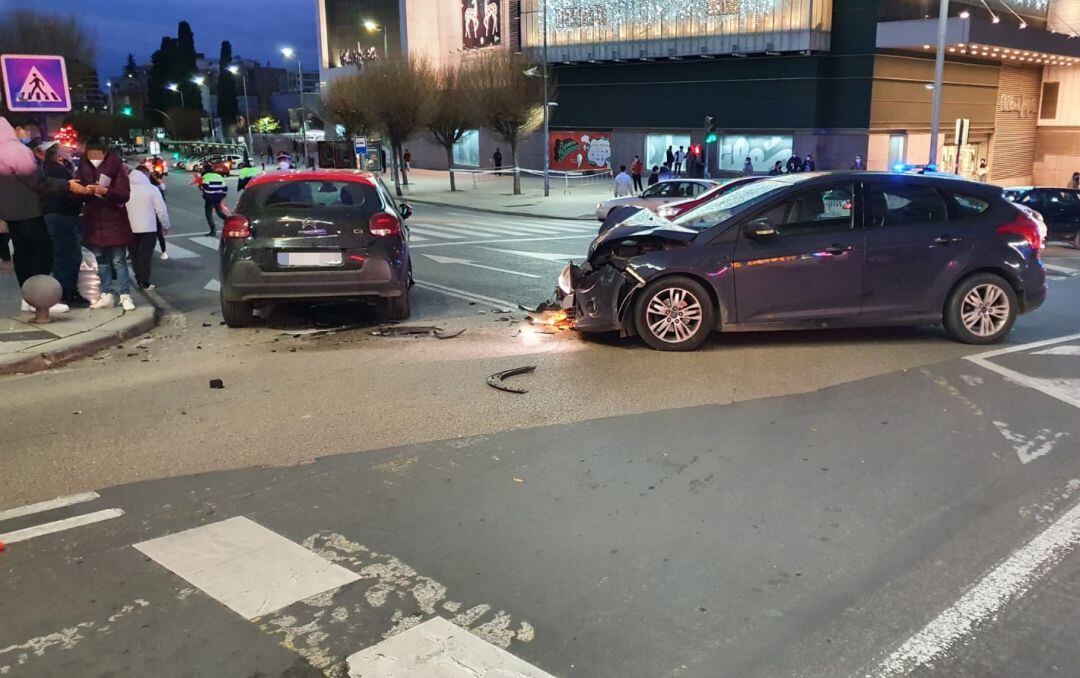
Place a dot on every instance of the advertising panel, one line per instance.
(580, 151)
(480, 23)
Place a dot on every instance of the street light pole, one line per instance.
(247, 106)
(939, 77)
(288, 53)
(547, 109)
(112, 108)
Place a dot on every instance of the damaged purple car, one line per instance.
(816, 250)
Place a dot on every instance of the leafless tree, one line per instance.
(453, 114)
(398, 98)
(346, 99)
(506, 100)
(26, 31)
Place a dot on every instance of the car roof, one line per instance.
(355, 176)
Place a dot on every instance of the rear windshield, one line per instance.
(342, 195)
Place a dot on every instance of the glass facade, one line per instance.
(583, 30)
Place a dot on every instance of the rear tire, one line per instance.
(674, 313)
(236, 313)
(981, 309)
(396, 308)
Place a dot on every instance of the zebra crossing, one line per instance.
(484, 228)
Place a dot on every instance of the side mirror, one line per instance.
(406, 210)
(759, 228)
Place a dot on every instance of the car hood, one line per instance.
(640, 224)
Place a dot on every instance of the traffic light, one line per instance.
(126, 110)
(710, 125)
(696, 150)
(711, 138)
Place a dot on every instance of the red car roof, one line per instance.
(277, 176)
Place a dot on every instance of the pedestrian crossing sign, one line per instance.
(35, 83)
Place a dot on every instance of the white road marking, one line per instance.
(467, 296)
(1060, 269)
(466, 262)
(981, 602)
(415, 238)
(248, 568)
(438, 649)
(543, 256)
(436, 232)
(206, 241)
(60, 525)
(183, 235)
(1065, 390)
(500, 231)
(1060, 350)
(1026, 450)
(584, 236)
(177, 252)
(49, 505)
(214, 285)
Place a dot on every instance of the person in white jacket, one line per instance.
(145, 208)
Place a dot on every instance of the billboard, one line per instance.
(580, 151)
(480, 23)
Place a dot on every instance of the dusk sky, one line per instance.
(256, 28)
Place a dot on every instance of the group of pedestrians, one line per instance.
(795, 165)
(52, 210)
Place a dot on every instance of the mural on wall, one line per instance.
(763, 150)
(572, 151)
(480, 23)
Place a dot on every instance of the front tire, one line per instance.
(981, 310)
(674, 314)
(237, 313)
(396, 308)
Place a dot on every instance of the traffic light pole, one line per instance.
(708, 172)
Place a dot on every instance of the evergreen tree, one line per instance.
(226, 92)
(131, 69)
(186, 65)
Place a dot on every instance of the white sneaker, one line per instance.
(59, 308)
(104, 301)
(26, 308)
(126, 302)
(164, 256)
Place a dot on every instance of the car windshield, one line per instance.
(718, 210)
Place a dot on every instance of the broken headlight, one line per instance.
(566, 280)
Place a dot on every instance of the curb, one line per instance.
(83, 344)
(508, 213)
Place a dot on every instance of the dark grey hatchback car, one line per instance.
(313, 235)
(815, 250)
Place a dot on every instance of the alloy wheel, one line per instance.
(985, 310)
(674, 315)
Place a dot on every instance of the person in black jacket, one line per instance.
(64, 224)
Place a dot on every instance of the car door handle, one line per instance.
(946, 240)
(837, 248)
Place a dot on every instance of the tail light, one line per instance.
(236, 228)
(384, 224)
(1025, 227)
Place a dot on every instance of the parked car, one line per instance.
(1059, 208)
(656, 195)
(315, 235)
(814, 251)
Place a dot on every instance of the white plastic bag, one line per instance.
(89, 282)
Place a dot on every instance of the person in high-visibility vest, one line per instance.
(214, 189)
(246, 174)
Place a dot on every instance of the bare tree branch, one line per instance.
(453, 114)
(27, 31)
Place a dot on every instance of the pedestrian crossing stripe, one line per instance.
(177, 252)
(210, 242)
(37, 88)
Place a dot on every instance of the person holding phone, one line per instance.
(106, 229)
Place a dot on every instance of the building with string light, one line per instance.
(834, 79)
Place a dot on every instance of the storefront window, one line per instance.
(897, 148)
(467, 151)
(764, 151)
(656, 146)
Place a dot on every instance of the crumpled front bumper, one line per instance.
(599, 301)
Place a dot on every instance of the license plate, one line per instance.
(309, 258)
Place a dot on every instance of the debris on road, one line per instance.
(496, 380)
(439, 334)
(415, 331)
(217, 383)
(519, 480)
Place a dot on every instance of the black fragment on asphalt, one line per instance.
(496, 380)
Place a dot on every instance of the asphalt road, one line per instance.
(859, 503)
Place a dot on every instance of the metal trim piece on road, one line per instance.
(49, 505)
(1046, 386)
(462, 294)
(60, 525)
(982, 602)
(249, 568)
(438, 648)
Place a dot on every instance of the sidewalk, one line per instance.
(27, 347)
(569, 199)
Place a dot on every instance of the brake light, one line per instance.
(236, 228)
(1025, 227)
(384, 224)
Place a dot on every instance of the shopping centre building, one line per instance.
(834, 79)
